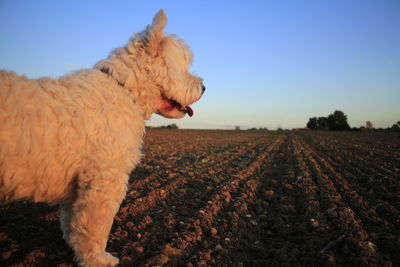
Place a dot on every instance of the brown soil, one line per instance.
(239, 198)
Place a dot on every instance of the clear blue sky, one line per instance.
(265, 63)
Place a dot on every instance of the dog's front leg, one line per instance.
(98, 199)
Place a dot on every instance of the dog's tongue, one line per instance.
(189, 111)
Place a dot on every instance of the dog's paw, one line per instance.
(102, 260)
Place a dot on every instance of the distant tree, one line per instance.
(337, 121)
(312, 123)
(320, 123)
(237, 128)
(395, 127)
(369, 125)
(323, 123)
(171, 126)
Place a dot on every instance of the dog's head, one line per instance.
(179, 87)
(155, 67)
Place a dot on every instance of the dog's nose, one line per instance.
(203, 88)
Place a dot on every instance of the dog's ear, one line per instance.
(159, 22)
(155, 33)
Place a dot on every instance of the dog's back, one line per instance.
(29, 159)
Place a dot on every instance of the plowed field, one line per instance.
(239, 198)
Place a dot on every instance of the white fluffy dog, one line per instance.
(74, 141)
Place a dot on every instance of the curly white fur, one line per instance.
(74, 141)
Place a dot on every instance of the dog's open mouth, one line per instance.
(171, 104)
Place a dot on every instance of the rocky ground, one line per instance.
(239, 198)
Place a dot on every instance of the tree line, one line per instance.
(337, 121)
